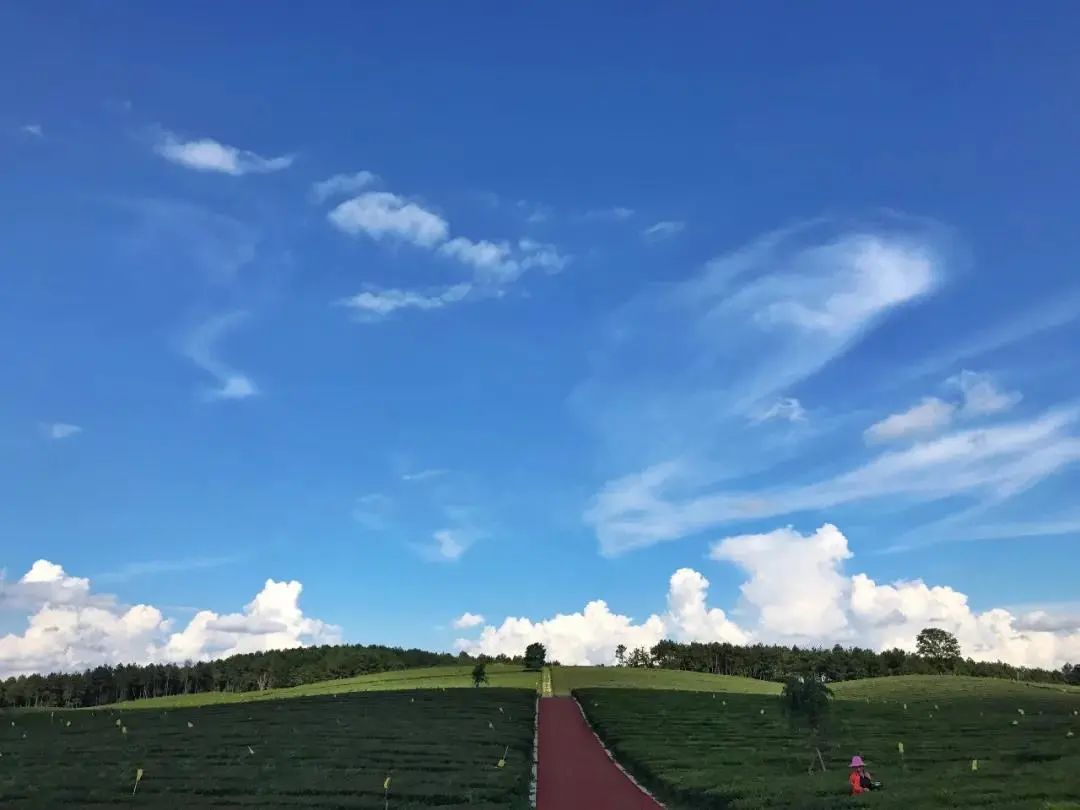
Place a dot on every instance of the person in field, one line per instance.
(861, 779)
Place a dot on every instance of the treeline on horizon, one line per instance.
(249, 672)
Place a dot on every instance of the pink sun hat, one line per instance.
(856, 762)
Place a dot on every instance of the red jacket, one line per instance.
(856, 781)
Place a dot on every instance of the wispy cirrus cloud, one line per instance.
(200, 347)
(60, 430)
(663, 230)
(995, 462)
(144, 568)
(447, 545)
(424, 475)
(615, 213)
(377, 303)
(928, 416)
(681, 367)
(208, 155)
(33, 130)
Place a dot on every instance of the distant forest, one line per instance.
(251, 672)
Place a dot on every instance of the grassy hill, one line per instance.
(499, 675)
(566, 679)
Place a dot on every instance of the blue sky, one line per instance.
(503, 311)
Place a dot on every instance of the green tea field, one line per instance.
(499, 675)
(564, 680)
(439, 748)
(965, 743)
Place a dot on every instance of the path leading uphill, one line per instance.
(574, 772)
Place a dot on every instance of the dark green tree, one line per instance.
(620, 655)
(535, 656)
(479, 673)
(939, 647)
(807, 702)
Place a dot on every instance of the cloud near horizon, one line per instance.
(797, 591)
(69, 627)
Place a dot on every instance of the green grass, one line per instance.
(566, 679)
(698, 751)
(324, 751)
(499, 675)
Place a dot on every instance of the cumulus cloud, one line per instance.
(591, 636)
(995, 462)
(928, 416)
(382, 215)
(201, 348)
(273, 620)
(61, 430)
(663, 230)
(981, 395)
(342, 184)
(69, 627)
(797, 591)
(208, 155)
(467, 619)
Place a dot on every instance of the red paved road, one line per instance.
(574, 773)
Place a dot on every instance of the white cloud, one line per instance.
(379, 303)
(201, 348)
(981, 394)
(341, 184)
(928, 416)
(70, 628)
(382, 215)
(208, 155)
(34, 130)
(61, 430)
(502, 262)
(797, 592)
(785, 409)
(663, 230)
(424, 475)
(467, 619)
(482, 255)
(273, 620)
(996, 462)
(616, 213)
(591, 636)
(448, 546)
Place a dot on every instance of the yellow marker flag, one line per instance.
(502, 759)
(190, 724)
(69, 724)
(900, 748)
(138, 778)
(123, 730)
(1020, 712)
(974, 764)
(905, 707)
(1016, 722)
(1070, 734)
(386, 784)
(492, 727)
(117, 722)
(251, 750)
(763, 711)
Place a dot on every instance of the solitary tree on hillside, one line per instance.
(479, 673)
(939, 647)
(620, 655)
(807, 701)
(535, 656)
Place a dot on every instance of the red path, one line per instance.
(574, 772)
